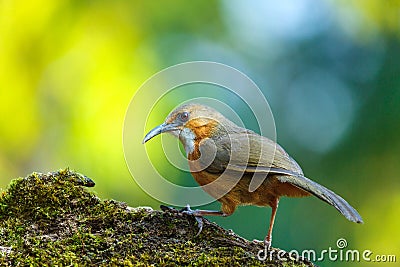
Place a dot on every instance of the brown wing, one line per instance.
(250, 153)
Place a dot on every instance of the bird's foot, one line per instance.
(197, 215)
(263, 253)
(267, 244)
(187, 210)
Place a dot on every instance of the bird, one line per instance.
(237, 166)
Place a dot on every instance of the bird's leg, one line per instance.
(198, 214)
(268, 238)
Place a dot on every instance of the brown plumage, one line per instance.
(239, 167)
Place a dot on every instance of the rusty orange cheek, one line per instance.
(202, 128)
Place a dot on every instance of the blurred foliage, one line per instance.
(330, 70)
(376, 15)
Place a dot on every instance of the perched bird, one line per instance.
(239, 167)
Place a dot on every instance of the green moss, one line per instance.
(52, 219)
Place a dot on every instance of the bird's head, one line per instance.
(191, 123)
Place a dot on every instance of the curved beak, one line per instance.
(158, 130)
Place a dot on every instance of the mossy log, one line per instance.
(52, 219)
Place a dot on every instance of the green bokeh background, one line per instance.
(329, 69)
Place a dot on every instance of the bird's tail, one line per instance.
(324, 194)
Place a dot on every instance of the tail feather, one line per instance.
(324, 194)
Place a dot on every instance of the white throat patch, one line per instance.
(187, 137)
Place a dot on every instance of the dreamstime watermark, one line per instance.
(146, 102)
(339, 253)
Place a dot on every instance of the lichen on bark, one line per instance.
(53, 219)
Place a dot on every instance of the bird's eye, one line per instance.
(184, 116)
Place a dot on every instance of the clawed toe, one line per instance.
(199, 218)
(189, 211)
(200, 223)
(267, 244)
